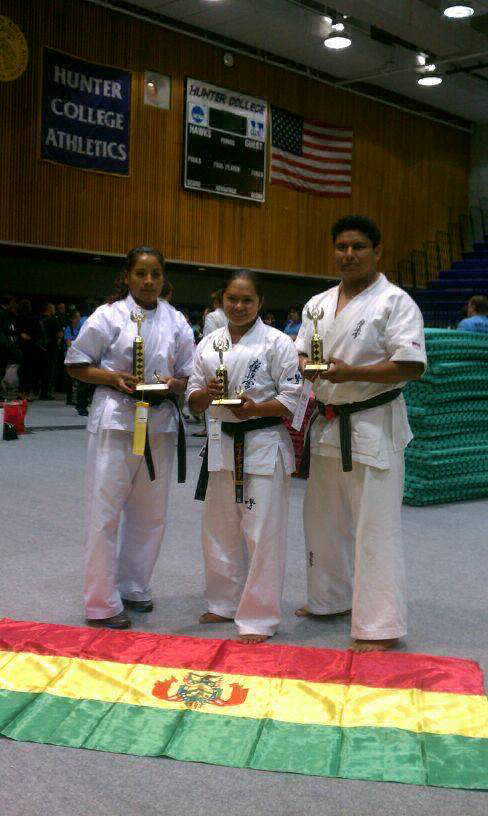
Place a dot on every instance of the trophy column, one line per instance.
(142, 407)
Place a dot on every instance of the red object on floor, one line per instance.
(15, 412)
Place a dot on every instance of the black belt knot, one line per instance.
(155, 400)
(238, 431)
(344, 412)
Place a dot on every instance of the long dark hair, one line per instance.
(121, 290)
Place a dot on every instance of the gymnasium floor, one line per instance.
(41, 499)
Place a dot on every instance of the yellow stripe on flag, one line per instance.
(285, 700)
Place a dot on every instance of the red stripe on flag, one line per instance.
(377, 669)
(324, 165)
(318, 178)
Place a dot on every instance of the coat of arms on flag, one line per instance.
(309, 155)
(381, 716)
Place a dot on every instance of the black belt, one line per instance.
(238, 431)
(343, 412)
(154, 399)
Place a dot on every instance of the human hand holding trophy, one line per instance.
(316, 363)
(221, 345)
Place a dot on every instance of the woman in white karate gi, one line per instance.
(126, 510)
(244, 525)
(372, 333)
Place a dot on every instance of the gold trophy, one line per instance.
(138, 369)
(317, 362)
(221, 345)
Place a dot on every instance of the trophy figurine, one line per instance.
(221, 345)
(317, 362)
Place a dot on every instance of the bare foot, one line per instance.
(253, 638)
(304, 612)
(211, 617)
(373, 645)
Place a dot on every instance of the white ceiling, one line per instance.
(294, 30)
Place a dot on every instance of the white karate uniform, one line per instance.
(352, 520)
(213, 321)
(244, 544)
(126, 512)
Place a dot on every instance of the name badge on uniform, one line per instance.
(214, 443)
(299, 414)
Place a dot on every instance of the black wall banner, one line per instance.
(85, 116)
(225, 141)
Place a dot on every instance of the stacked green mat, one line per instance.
(448, 411)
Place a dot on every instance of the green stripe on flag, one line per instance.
(388, 754)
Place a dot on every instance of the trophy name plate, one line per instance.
(151, 387)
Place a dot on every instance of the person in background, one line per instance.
(196, 324)
(216, 318)
(71, 332)
(292, 326)
(269, 319)
(9, 348)
(27, 326)
(51, 334)
(61, 315)
(477, 319)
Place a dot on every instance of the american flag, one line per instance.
(310, 156)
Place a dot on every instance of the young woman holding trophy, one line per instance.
(246, 375)
(135, 347)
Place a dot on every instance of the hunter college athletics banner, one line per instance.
(85, 116)
(381, 716)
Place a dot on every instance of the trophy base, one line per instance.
(152, 387)
(317, 367)
(226, 402)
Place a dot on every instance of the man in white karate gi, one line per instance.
(373, 337)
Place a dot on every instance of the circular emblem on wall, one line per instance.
(14, 51)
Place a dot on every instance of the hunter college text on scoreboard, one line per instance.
(225, 141)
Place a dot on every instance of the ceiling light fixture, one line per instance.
(429, 80)
(458, 10)
(336, 41)
(334, 20)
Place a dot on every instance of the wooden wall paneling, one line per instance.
(407, 172)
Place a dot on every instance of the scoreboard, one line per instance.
(225, 142)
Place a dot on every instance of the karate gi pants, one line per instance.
(126, 518)
(244, 548)
(354, 545)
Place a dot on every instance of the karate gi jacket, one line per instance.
(106, 341)
(381, 323)
(264, 363)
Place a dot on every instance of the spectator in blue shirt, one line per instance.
(293, 324)
(477, 319)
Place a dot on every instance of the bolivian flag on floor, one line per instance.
(384, 716)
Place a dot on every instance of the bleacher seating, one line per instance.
(443, 300)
